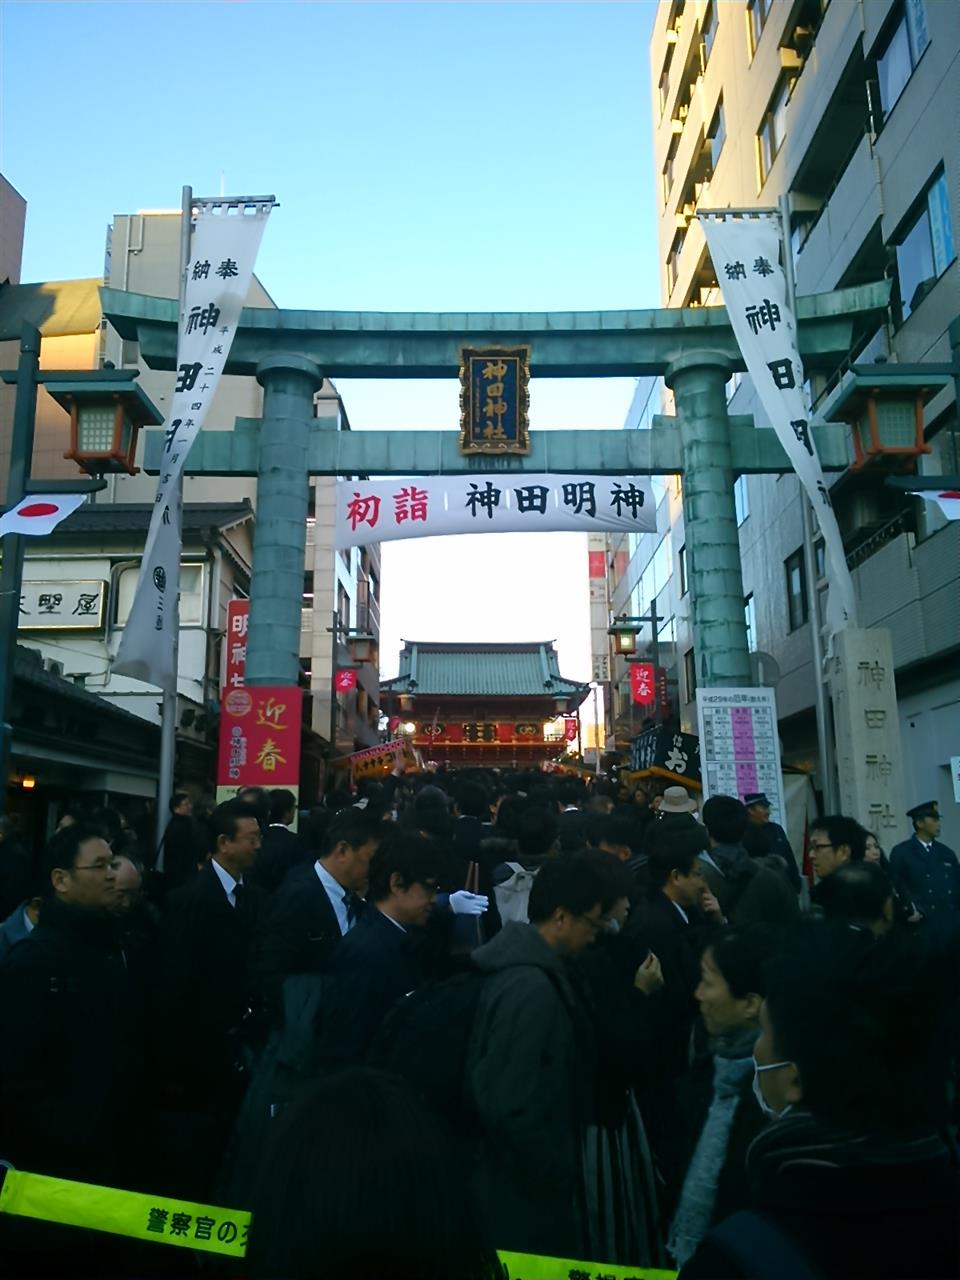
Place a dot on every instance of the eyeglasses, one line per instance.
(821, 846)
(101, 867)
(595, 922)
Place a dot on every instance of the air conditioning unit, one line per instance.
(53, 666)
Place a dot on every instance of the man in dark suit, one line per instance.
(183, 845)
(282, 849)
(380, 962)
(316, 905)
(674, 923)
(205, 987)
(925, 870)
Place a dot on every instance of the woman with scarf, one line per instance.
(716, 1095)
(858, 1174)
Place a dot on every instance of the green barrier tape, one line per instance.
(126, 1213)
(162, 1220)
(529, 1266)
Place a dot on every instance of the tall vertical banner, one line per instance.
(746, 257)
(223, 250)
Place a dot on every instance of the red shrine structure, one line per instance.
(487, 705)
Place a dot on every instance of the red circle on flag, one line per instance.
(39, 509)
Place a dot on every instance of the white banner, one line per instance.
(223, 249)
(948, 500)
(746, 258)
(425, 506)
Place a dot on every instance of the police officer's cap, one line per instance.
(926, 810)
(756, 797)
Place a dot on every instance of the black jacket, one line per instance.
(299, 934)
(377, 964)
(205, 982)
(281, 851)
(183, 850)
(882, 1218)
(73, 1057)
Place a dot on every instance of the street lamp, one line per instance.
(107, 409)
(106, 390)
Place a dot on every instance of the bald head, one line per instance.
(129, 885)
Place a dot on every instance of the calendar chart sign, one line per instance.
(740, 745)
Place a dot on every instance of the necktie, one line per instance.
(239, 896)
(352, 902)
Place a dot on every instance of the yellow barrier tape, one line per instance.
(126, 1213)
(163, 1220)
(529, 1266)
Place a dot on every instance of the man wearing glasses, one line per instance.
(72, 1056)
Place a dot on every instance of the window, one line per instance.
(191, 594)
(772, 130)
(673, 258)
(820, 558)
(741, 499)
(757, 11)
(690, 674)
(663, 89)
(717, 134)
(750, 618)
(797, 608)
(308, 590)
(901, 53)
(925, 249)
(682, 567)
(708, 30)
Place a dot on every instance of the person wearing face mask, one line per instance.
(720, 1113)
(857, 1176)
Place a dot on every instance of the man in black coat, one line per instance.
(205, 988)
(282, 849)
(758, 809)
(674, 924)
(183, 845)
(73, 1057)
(926, 870)
(380, 961)
(316, 906)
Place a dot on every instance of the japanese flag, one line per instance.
(948, 500)
(40, 513)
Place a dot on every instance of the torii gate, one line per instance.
(694, 350)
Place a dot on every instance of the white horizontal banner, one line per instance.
(427, 506)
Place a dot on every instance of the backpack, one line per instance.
(425, 1039)
(513, 894)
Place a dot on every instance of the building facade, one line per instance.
(853, 110)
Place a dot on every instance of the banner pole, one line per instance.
(169, 705)
(824, 733)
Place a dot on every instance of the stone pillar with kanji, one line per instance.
(869, 752)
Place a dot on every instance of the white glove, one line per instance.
(468, 904)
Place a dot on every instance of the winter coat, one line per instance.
(73, 1056)
(530, 1074)
(839, 1210)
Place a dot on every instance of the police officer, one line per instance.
(758, 809)
(927, 871)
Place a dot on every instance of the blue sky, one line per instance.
(449, 157)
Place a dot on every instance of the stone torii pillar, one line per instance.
(698, 382)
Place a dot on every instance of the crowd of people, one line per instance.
(470, 1012)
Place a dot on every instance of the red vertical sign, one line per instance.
(260, 737)
(642, 683)
(235, 657)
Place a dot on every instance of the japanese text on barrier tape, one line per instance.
(126, 1213)
(528, 1266)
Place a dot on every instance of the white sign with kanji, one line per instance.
(376, 511)
(740, 745)
(62, 606)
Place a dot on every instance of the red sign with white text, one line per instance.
(642, 683)
(235, 653)
(570, 729)
(345, 679)
(260, 737)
